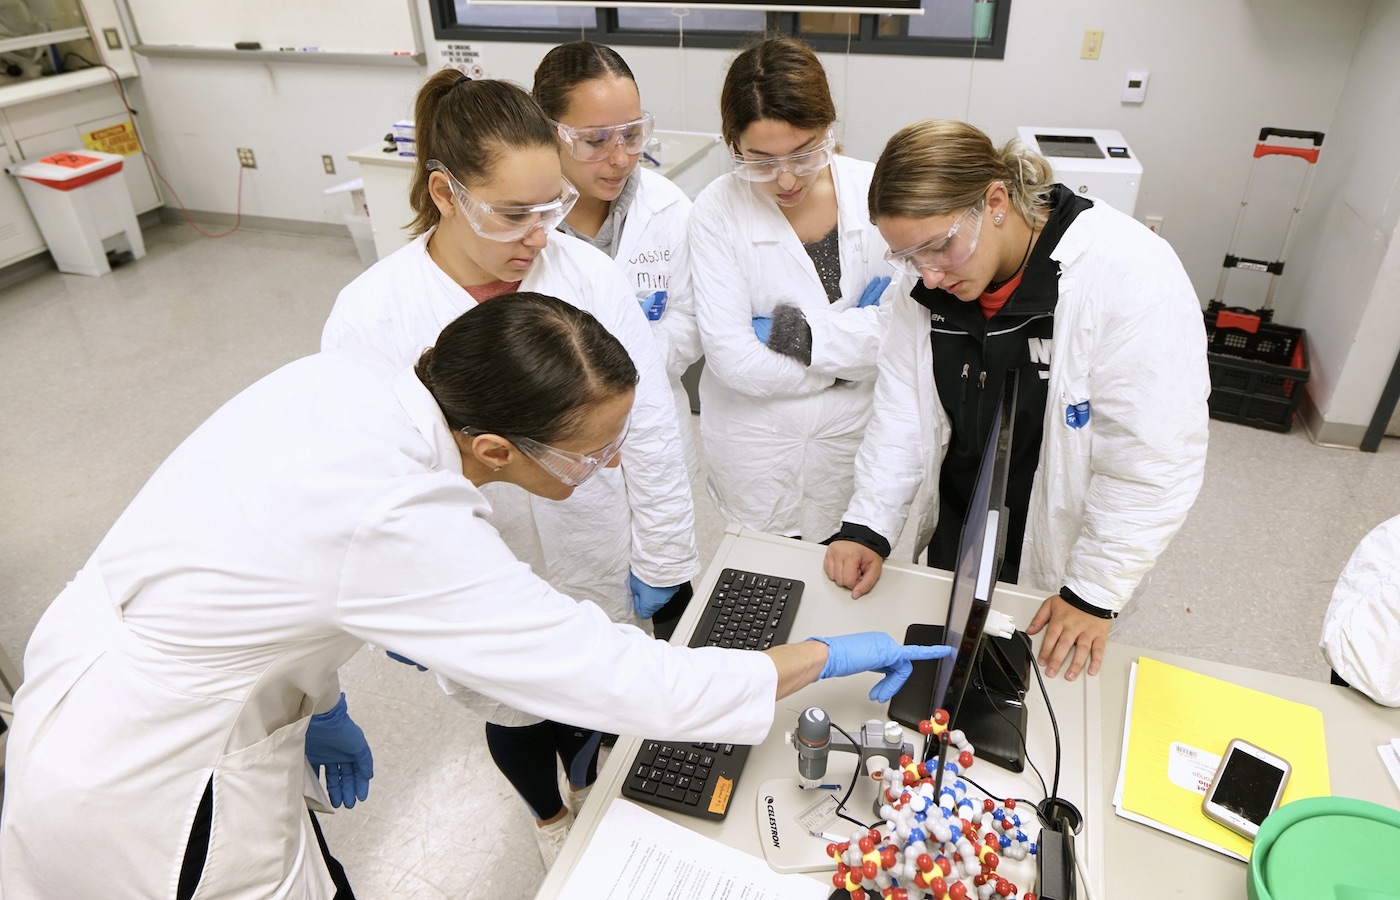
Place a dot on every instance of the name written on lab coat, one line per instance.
(652, 280)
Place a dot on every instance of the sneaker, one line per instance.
(551, 838)
(573, 799)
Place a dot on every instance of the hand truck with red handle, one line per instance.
(1257, 368)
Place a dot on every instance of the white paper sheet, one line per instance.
(637, 855)
(1390, 755)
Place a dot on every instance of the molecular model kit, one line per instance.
(937, 843)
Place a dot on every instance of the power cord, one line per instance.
(1049, 708)
(121, 94)
(841, 804)
(1021, 735)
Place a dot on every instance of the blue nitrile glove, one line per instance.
(653, 305)
(335, 742)
(873, 290)
(762, 326)
(875, 651)
(405, 660)
(646, 600)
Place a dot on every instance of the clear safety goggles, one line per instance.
(800, 165)
(944, 252)
(496, 222)
(569, 467)
(595, 143)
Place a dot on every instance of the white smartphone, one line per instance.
(1247, 787)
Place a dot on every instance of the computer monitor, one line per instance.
(983, 685)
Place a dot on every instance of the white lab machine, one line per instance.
(1095, 162)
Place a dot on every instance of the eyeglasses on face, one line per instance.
(594, 143)
(505, 223)
(941, 252)
(799, 164)
(571, 468)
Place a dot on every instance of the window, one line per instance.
(945, 29)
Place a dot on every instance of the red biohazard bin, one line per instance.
(82, 207)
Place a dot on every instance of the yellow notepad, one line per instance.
(1181, 719)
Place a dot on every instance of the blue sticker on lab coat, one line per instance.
(1077, 414)
(654, 305)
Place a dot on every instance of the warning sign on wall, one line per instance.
(120, 138)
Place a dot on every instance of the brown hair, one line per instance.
(569, 65)
(524, 365)
(776, 77)
(939, 166)
(468, 126)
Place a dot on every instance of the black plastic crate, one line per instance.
(1257, 377)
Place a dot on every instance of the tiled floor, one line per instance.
(103, 377)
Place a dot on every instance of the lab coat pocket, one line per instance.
(260, 833)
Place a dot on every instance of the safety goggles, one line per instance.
(800, 165)
(496, 222)
(569, 467)
(947, 251)
(594, 144)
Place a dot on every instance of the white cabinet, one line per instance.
(57, 102)
(19, 236)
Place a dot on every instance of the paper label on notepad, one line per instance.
(1191, 768)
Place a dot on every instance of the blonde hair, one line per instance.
(938, 166)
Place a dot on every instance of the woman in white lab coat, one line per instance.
(1099, 318)
(788, 273)
(625, 209)
(169, 688)
(631, 213)
(489, 192)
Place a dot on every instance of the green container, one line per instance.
(1327, 848)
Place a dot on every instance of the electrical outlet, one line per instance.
(1154, 223)
(113, 38)
(328, 163)
(245, 158)
(1093, 43)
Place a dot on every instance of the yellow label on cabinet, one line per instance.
(719, 801)
(119, 138)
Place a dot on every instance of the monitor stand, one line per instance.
(993, 711)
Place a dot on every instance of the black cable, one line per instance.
(1025, 751)
(841, 804)
(1054, 725)
(990, 795)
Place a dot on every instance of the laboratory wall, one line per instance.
(1345, 289)
(1219, 70)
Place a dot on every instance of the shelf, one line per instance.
(52, 86)
(282, 56)
(42, 39)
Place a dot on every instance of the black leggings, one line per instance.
(197, 851)
(525, 754)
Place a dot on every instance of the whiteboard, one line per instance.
(330, 26)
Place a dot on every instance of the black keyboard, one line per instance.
(748, 611)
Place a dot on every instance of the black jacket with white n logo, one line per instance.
(971, 355)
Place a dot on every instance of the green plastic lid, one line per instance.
(1327, 848)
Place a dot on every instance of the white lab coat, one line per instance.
(1108, 497)
(1361, 632)
(653, 256)
(779, 437)
(323, 507)
(638, 516)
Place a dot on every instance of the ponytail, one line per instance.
(468, 126)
